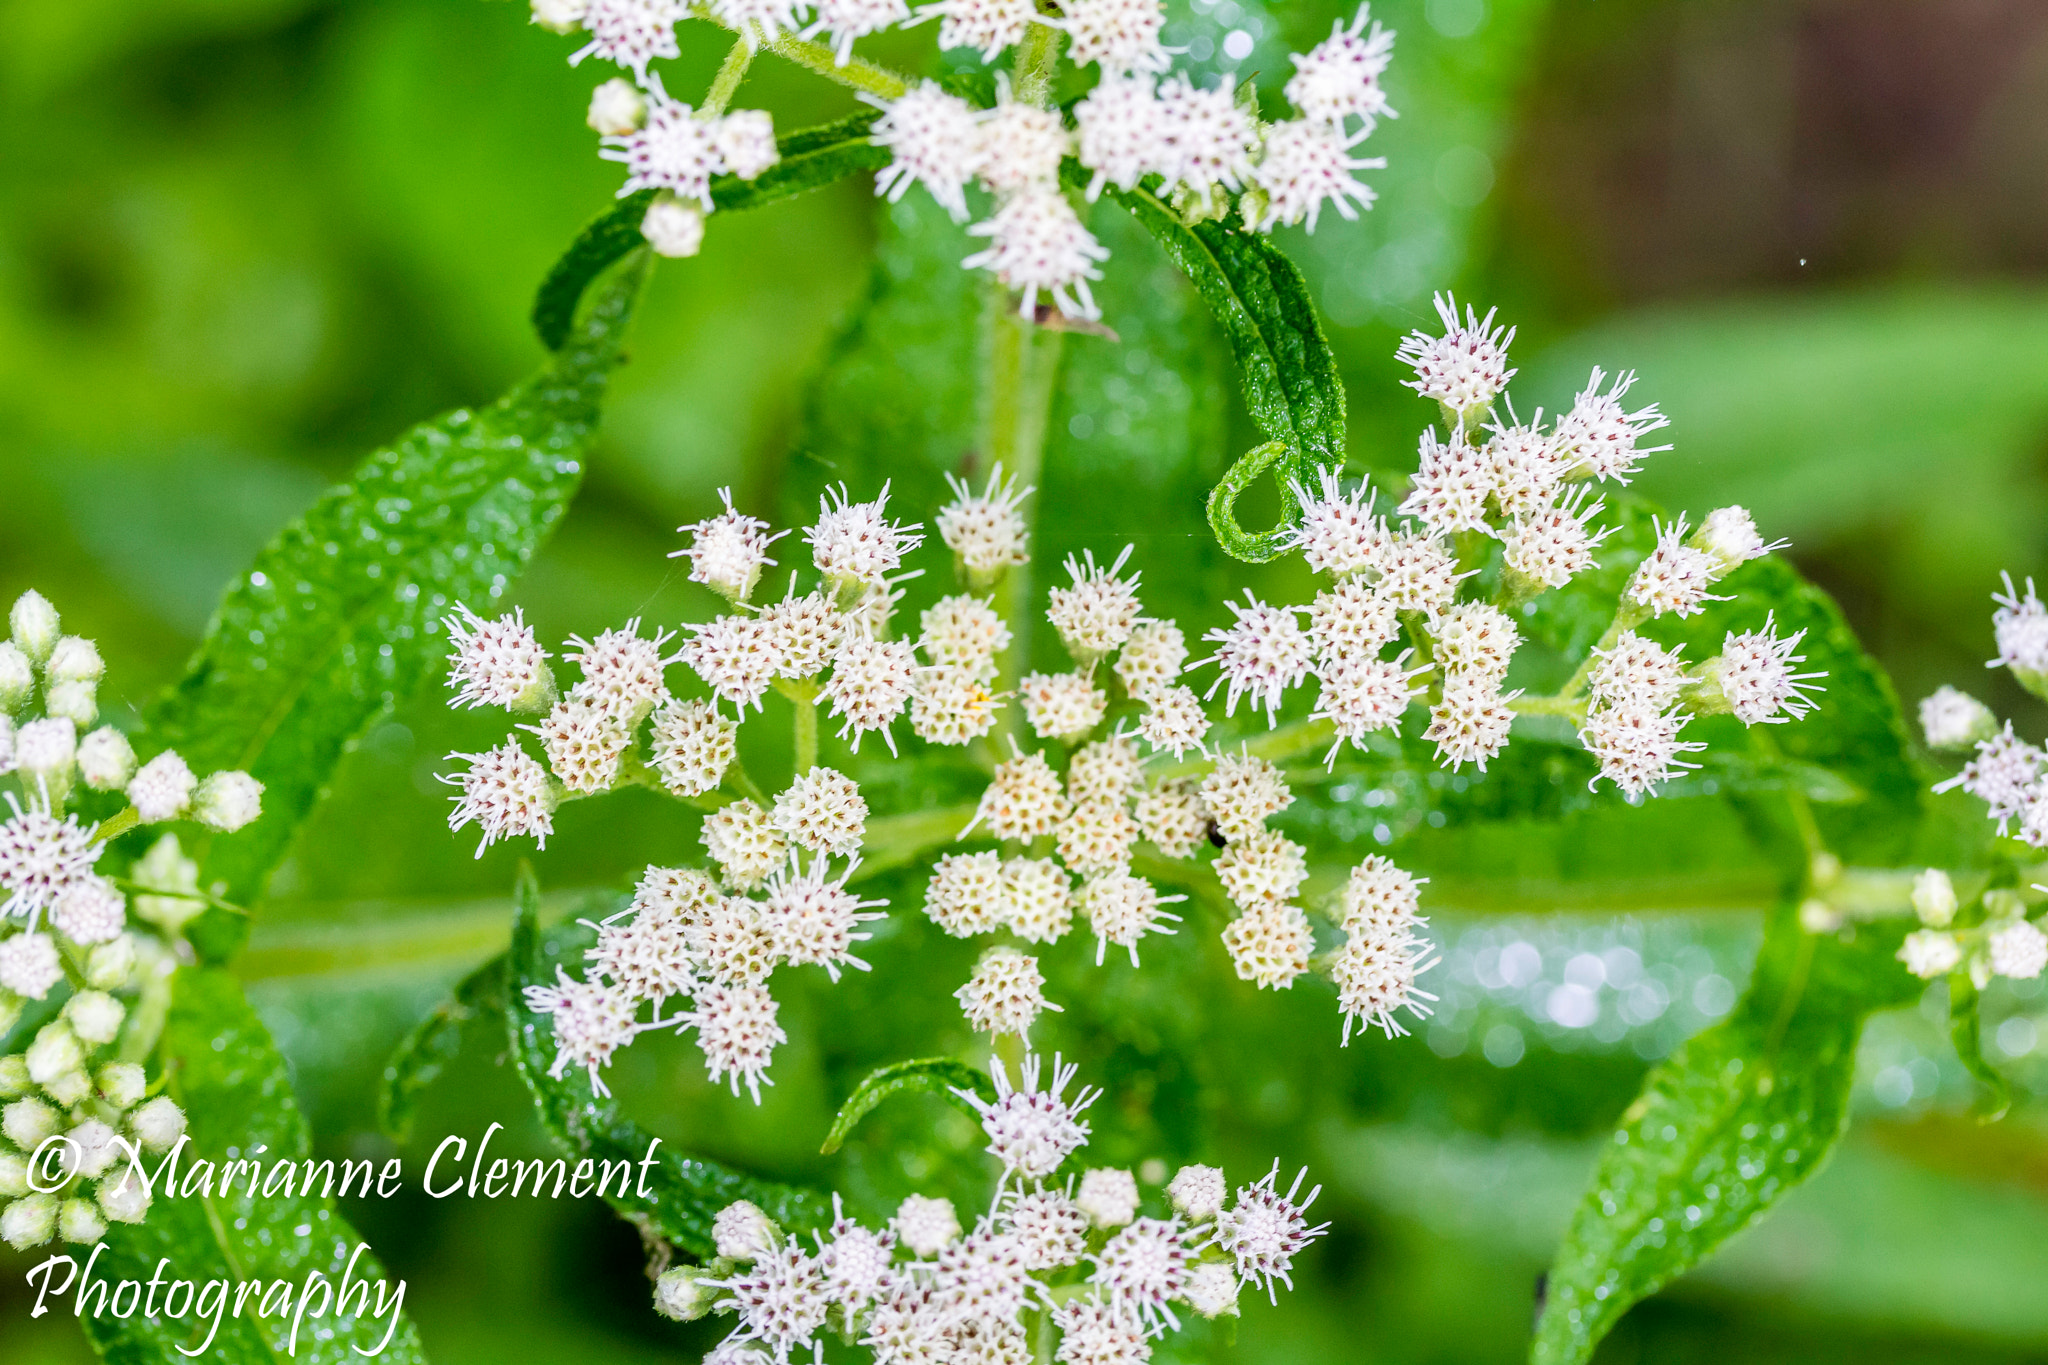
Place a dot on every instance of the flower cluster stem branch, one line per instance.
(1023, 366)
(857, 74)
(1037, 55)
(731, 72)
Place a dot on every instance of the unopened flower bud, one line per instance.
(91, 1148)
(616, 108)
(745, 140)
(1108, 1197)
(1818, 917)
(111, 966)
(34, 622)
(1730, 536)
(1197, 1192)
(11, 1006)
(17, 676)
(927, 1226)
(673, 228)
(1934, 898)
(14, 1076)
(121, 1084)
(29, 965)
(158, 1125)
(106, 760)
(13, 1175)
(75, 659)
(95, 1017)
(559, 16)
(226, 801)
(29, 1222)
(46, 751)
(2004, 903)
(1212, 1290)
(54, 1053)
(1953, 719)
(123, 1197)
(742, 1232)
(29, 1123)
(1929, 953)
(162, 790)
(72, 1088)
(680, 1297)
(77, 702)
(78, 1221)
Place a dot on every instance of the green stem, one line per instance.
(803, 699)
(1560, 705)
(1023, 364)
(727, 82)
(114, 826)
(894, 840)
(1037, 55)
(1627, 616)
(857, 74)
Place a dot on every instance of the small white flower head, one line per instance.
(823, 811)
(1241, 791)
(905, 1326)
(1361, 695)
(1032, 1130)
(737, 1032)
(123, 1198)
(736, 657)
(856, 1262)
(727, 552)
(79, 1221)
(1350, 622)
(622, 673)
(227, 800)
(1375, 975)
(1209, 139)
(1929, 953)
(758, 21)
(1264, 867)
(158, 1124)
(1756, 675)
(1260, 656)
(855, 542)
(1151, 659)
(17, 676)
(161, 789)
(683, 892)
(731, 944)
(628, 33)
(846, 20)
(781, 1302)
(963, 632)
(90, 911)
(1598, 436)
(988, 25)
(1142, 1269)
(29, 1222)
(934, 139)
(1337, 534)
(105, 759)
(1038, 245)
(1380, 900)
(1120, 36)
(1049, 1229)
(871, 684)
(1122, 909)
(1266, 1230)
(1934, 898)
(74, 659)
(925, 1226)
(2021, 627)
(1006, 993)
(41, 858)
(1553, 544)
(1122, 132)
(584, 744)
(1197, 1192)
(1949, 719)
(1212, 1290)
(1096, 837)
(1339, 78)
(1024, 801)
(1729, 534)
(1172, 816)
(1639, 749)
(593, 1020)
(1475, 638)
(2018, 949)
(1307, 165)
(1525, 466)
(1105, 770)
(1269, 944)
(804, 632)
(673, 228)
(680, 1296)
(2001, 775)
(1109, 1197)
(1467, 367)
(1038, 898)
(1637, 674)
(1062, 706)
(745, 138)
(812, 919)
(952, 705)
(1675, 576)
(1418, 573)
(966, 894)
(29, 1123)
(1174, 719)
(1021, 144)
(985, 531)
(744, 844)
(35, 625)
(693, 746)
(29, 965)
(673, 150)
(644, 952)
(616, 108)
(559, 16)
(1097, 614)
(46, 752)
(1093, 1332)
(94, 1016)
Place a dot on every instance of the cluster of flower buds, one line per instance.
(1988, 935)
(1205, 150)
(66, 939)
(1423, 583)
(1084, 1259)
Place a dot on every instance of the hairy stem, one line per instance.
(1023, 363)
(114, 826)
(1037, 55)
(727, 82)
(803, 699)
(857, 74)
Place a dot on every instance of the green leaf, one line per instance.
(223, 1069)
(1725, 1128)
(1290, 374)
(811, 158)
(1966, 1030)
(687, 1193)
(941, 1075)
(434, 1041)
(338, 617)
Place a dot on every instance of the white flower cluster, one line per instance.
(1997, 940)
(1403, 582)
(1204, 150)
(927, 1289)
(65, 934)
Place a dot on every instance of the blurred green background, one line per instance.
(242, 241)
